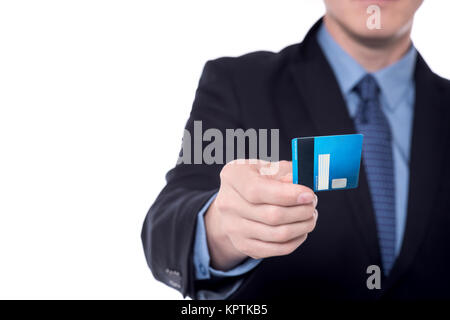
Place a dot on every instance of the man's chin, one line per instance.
(374, 38)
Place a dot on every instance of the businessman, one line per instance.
(227, 231)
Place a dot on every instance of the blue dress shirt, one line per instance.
(397, 101)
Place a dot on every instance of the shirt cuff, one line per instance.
(201, 259)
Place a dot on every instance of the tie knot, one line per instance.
(367, 88)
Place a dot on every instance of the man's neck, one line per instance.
(373, 55)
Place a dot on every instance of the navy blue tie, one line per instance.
(378, 163)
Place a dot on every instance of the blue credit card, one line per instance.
(327, 162)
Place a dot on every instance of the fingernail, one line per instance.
(316, 214)
(305, 198)
(316, 200)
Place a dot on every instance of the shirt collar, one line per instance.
(396, 79)
(393, 80)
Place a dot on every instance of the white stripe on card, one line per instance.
(324, 172)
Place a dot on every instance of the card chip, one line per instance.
(338, 183)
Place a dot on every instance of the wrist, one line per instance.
(223, 254)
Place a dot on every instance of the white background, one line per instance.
(93, 100)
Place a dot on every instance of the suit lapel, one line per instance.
(320, 94)
(426, 164)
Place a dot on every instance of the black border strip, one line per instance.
(305, 156)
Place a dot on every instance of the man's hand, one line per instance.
(257, 215)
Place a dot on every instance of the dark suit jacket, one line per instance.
(296, 91)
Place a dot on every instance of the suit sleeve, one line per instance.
(169, 228)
